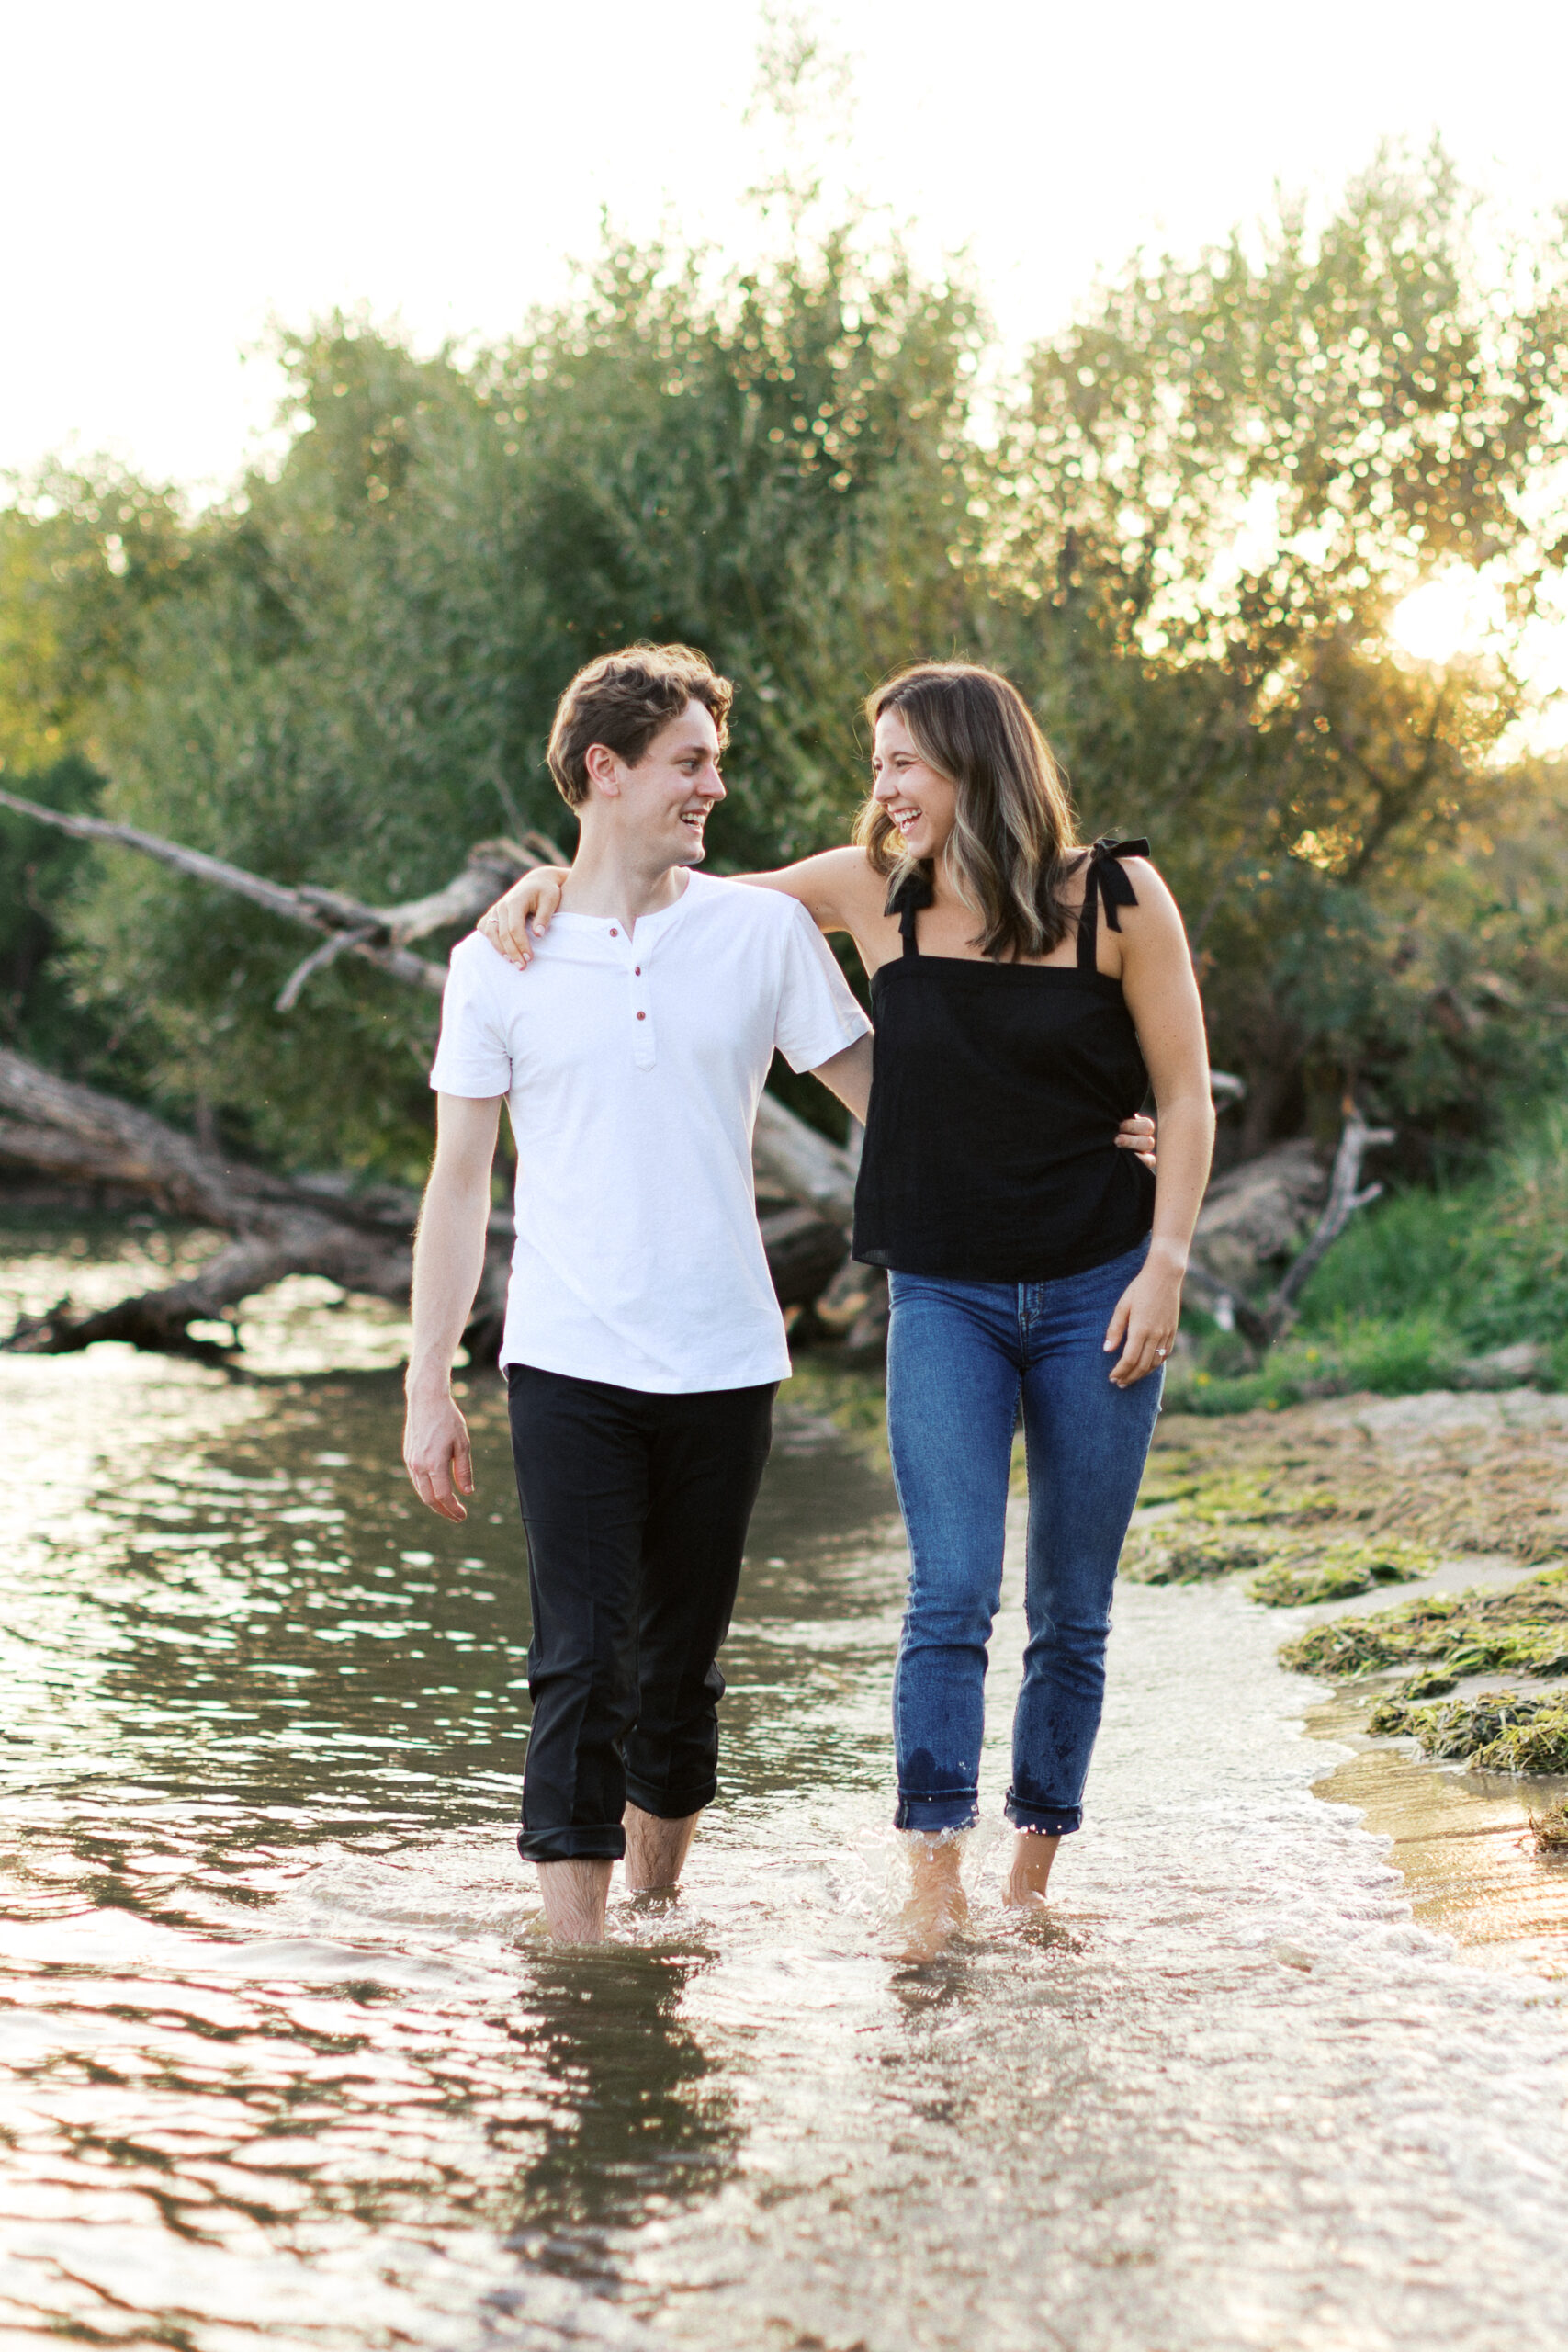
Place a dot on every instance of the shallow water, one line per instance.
(278, 2023)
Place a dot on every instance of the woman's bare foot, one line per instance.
(938, 1906)
(1032, 1856)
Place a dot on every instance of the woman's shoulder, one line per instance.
(1130, 859)
(840, 888)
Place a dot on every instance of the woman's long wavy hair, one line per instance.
(1013, 839)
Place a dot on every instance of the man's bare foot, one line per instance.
(937, 1907)
(1032, 1856)
(656, 1851)
(574, 1896)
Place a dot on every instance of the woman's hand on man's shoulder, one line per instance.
(533, 901)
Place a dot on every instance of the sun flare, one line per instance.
(1457, 613)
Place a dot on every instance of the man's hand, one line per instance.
(1138, 1135)
(436, 1452)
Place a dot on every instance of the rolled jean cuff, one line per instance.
(957, 1809)
(1041, 1820)
(670, 1804)
(606, 1845)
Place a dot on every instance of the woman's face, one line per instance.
(921, 802)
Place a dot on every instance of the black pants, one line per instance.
(636, 1507)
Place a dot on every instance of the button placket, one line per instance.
(641, 1012)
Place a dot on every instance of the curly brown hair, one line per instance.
(622, 700)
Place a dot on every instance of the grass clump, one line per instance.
(1414, 1289)
(853, 1397)
(1350, 1567)
(1189, 1556)
(1458, 1729)
(1550, 1829)
(1520, 1629)
(1537, 1745)
(1433, 1683)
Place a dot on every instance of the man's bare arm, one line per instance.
(448, 1259)
(848, 1075)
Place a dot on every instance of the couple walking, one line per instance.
(1025, 992)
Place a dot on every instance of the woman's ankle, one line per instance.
(1032, 1855)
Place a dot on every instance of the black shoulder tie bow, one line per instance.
(1110, 879)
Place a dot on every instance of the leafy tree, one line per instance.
(1185, 537)
(1219, 487)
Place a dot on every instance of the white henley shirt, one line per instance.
(633, 1067)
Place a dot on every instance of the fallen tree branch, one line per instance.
(1346, 1195)
(377, 935)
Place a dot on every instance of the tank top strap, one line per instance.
(906, 899)
(1107, 880)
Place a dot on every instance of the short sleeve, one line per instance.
(472, 1058)
(818, 1016)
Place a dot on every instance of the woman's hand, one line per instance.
(532, 901)
(1147, 1313)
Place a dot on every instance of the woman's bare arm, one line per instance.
(1161, 992)
(838, 888)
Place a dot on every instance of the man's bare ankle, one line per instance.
(656, 1851)
(574, 1894)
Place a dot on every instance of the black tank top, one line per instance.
(997, 1092)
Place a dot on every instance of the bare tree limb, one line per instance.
(328, 951)
(1346, 1195)
(376, 934)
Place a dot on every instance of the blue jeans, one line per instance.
(959, 1355)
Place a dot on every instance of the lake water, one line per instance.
(287, 2062)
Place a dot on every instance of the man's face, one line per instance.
(666, 798)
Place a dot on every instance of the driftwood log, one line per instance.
(362, 1241)
(277, 1228)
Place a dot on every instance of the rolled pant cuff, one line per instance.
(605, 1845)
(954, 1810)
(1041, 1820)
(667, 1804)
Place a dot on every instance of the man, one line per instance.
(643, 1343)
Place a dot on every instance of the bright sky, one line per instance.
(172, 173)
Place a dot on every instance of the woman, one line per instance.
(1014, 1030)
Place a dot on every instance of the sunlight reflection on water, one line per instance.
(278, 2023)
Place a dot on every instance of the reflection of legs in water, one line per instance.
(632, 2105)
(656, 1851)
(1032, 1856)
(574, 1896)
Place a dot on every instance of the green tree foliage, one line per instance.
(1183, 536)
(1239, 466)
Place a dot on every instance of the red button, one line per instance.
(642, 1016)
(637, 970)
(613, 932)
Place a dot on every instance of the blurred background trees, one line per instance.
(1185, 527)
